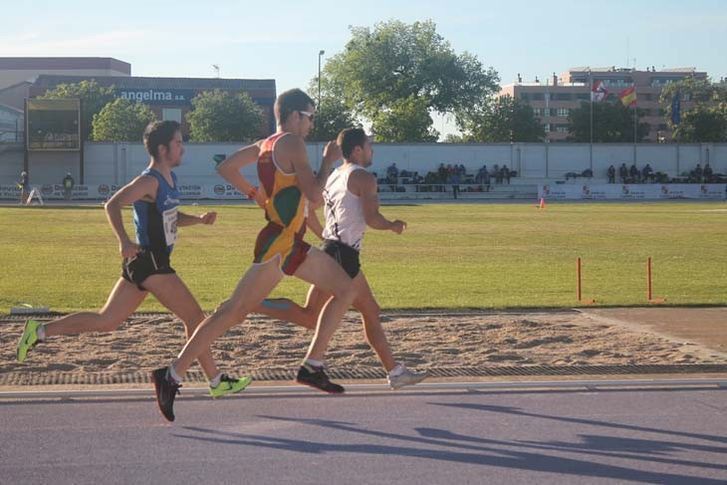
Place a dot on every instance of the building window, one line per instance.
(618, 83)
(661, 81)
(583, 96)
(563, 112)
(562, 96)
(546, 126)
(561, 128)
(524, 96)
(537, 97)
(172, 114)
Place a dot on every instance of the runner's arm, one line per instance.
(141, 187)
(230, 168)
(363, 184)
(314, 224)
(190, 220)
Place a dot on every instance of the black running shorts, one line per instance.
(146, 263)
(344, 255)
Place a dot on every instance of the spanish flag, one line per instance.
(628, 96)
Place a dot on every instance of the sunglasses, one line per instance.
(307, 114)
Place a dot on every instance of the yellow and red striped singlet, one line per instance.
(285, 211)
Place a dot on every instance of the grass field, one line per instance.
(452, 256)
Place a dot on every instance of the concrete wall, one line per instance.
(117, 163)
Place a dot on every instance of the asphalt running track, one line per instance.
(660, 433)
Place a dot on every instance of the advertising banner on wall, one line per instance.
(104, 191)
(632, 191)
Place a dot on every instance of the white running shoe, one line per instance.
(406, 378)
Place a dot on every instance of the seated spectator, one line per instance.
(496, 174)
(698, 173)
(442, 173)
(708, 173)
(481, 175)
(611, 174)
(647, 174)
(634, 174)
(506, 174)
(623, 173)
(392, 173)
(587, 173)
(450, 172)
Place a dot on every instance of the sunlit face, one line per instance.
(174, 153)
(367, 154)
(306, 119)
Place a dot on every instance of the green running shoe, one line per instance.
(229, 385)
(28, 340)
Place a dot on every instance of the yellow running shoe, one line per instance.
(229, 385)
(28, 340)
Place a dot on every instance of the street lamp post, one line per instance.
(320, 54)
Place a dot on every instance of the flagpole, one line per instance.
(590, 92)
(635, 130)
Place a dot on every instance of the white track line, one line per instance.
(587, 385)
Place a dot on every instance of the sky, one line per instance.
(280, 40)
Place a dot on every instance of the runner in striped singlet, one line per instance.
(287, 185)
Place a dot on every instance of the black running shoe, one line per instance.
(316, 377)
(166, 390)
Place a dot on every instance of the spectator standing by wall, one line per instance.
(455, 184)
(24, 186)
(68, 183)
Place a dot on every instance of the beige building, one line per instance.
(553, 98)
(14, 70)
(17, 74)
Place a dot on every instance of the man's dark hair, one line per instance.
(351, 138)
(159, 133)
(289, 102)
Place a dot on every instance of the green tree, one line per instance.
(93, 98)
(406, 120)
(612, 122)
(223, 116)
(503, 120)
(396, 61)
(703, 110)
(332, 116)
(455, 138)
(121, 120)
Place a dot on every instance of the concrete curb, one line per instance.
(361, 389)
